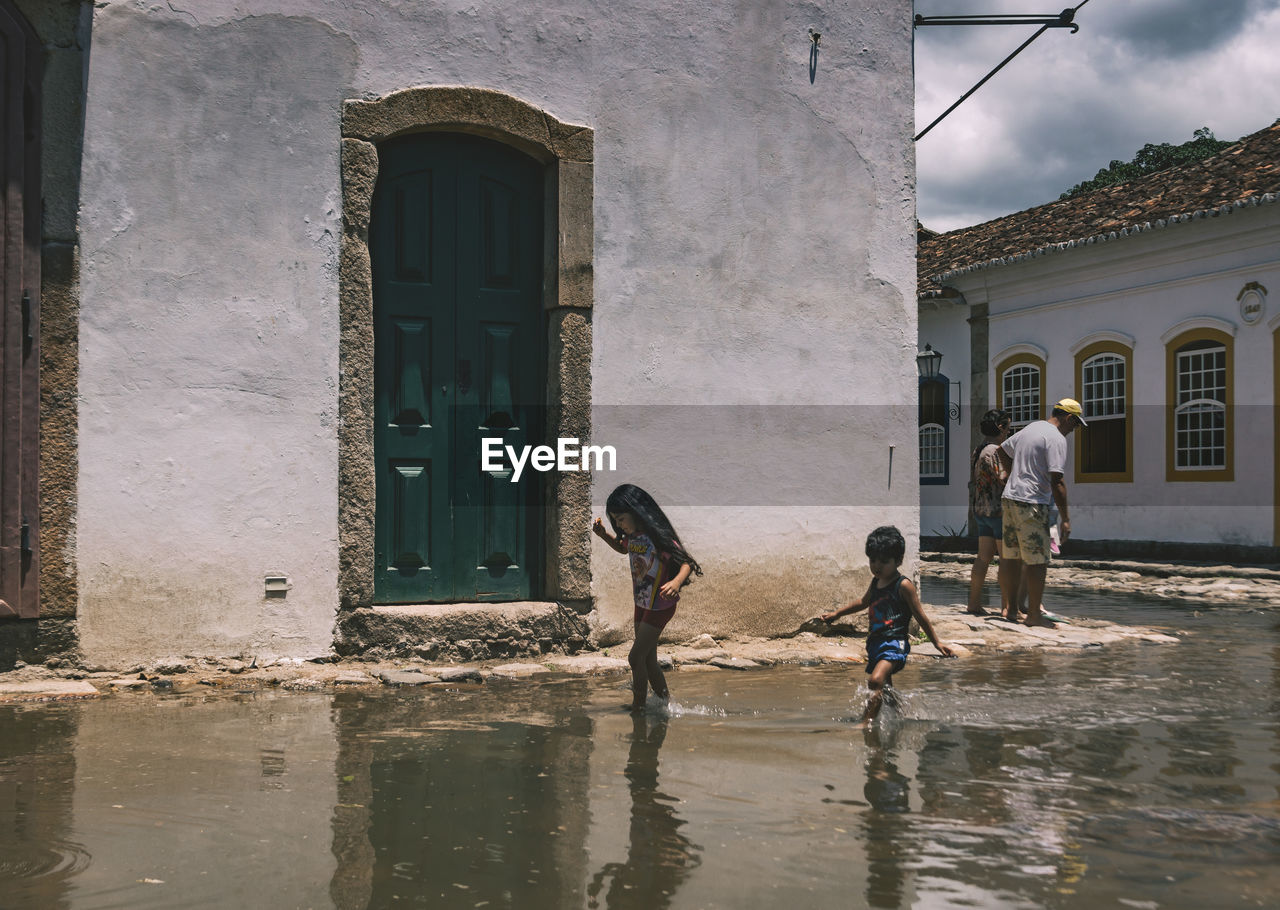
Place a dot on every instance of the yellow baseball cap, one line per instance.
(1072, 407)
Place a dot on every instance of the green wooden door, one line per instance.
(456, 244)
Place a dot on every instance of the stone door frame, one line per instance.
(566, 152)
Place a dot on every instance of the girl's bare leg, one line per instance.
(657, 679)
(643, 648)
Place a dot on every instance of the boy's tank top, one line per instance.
(888, 616)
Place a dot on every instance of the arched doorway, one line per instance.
(455, 242)
(563, 155)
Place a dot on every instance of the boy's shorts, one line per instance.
(658, 618)
(989, 526)
(1026, 531)
(892, 650)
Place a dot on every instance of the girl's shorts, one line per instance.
(893, 651)
(657, 618)
(989, 526)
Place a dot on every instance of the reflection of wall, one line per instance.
(430, 796)
(38, 758)
(211, 798)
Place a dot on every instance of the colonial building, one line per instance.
(296, 260)
(1152, 303)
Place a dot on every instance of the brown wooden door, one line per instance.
(20, 58)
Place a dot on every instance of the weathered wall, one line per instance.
(1143, 286)
(209, 334)
(753, 246)
(755, 267)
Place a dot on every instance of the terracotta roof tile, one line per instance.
(1242, 174)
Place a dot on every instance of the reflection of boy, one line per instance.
(891, 601)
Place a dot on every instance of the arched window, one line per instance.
(1104, 451)
(1020, 387)
(1199, 366)
(933, 429)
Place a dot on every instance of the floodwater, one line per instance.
(1140, 776)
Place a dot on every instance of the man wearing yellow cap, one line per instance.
(1036, 459)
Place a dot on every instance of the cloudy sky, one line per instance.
(1138, 71)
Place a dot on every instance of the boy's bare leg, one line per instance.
(644, 647)
(1010, 574)
(879, 678)
(986, 552)
(1035, 593)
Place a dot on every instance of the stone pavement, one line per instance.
(815, 644)
(1206, 583)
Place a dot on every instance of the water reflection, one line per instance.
(659, 856)
(440, 808)
(1144, 774)
(37, 859)
(888, 793)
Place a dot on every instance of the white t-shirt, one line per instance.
(1038, 450)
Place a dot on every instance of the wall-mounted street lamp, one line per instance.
(927, 362)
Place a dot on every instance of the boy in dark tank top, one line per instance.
(891, 600)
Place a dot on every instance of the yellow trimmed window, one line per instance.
(1104, 449)
(1199, 364)
(1021, 387)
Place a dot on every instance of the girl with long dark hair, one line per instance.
(660, 567)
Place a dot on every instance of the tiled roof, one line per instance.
(1244, 174)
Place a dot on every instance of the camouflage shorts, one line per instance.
(1026, 532)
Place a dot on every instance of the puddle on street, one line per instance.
(1132, 776)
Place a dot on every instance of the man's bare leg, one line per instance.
(1010, 574)
(1035, 593)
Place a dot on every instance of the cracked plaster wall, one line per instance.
(754, 245)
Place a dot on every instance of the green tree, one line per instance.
(1151, 158)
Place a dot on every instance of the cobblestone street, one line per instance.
(1254, 585)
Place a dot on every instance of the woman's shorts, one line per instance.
(657, 618)
(989, 526)
(891, 650)
(1026, 531)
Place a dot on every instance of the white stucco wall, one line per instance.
(1143, 286)
(753, 246)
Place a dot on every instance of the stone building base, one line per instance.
(463, 631)
(34, 641)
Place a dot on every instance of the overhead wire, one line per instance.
(1063, 20)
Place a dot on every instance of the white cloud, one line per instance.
(1138, 71)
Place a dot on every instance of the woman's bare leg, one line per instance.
(978, 577)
